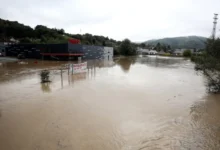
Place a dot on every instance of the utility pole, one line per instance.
(214, 25)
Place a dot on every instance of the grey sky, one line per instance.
(138, 20)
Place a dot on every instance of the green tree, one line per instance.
(164, 48)
(93, 41)
(116, 50)
(209, 64)
(25, 40)
(168, 47)
(143, 45)
(158, 47)
(61, 31)
(103, 43)
(127, 48)
(187, 53)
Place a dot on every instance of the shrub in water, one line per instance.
(45, 75)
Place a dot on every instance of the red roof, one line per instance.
(74, 41)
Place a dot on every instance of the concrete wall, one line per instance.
(108, 53)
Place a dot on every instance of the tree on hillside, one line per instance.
(168, 47)
(103, 43)
(77, 36)
(93, 41)
(43, 34)
(164, 48)
(60, 31)
(88, 37)
(158, 47)
(143, 45)
(116, 50)
(148, 46)
(127, 48)
(209, 64)
(25, 40)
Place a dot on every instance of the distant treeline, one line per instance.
(43, 34)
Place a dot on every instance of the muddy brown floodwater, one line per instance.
(136, 103)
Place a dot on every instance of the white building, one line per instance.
(108, 53)
(146, 51)
(179, 52)
(153, 52)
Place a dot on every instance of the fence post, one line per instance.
(68, 69)
(61, 71)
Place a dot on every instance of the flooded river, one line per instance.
(137, 103)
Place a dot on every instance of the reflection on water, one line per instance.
(45, 87)
(160, 61)
(134, 103)
(125, 63)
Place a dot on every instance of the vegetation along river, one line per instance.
(131, 103)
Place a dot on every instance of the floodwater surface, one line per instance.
(135, 103)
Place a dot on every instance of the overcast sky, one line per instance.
(138, 20)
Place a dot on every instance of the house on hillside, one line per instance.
(146, 51)
(143, 51)
(153, 52)
(179, 52)
(161, 53)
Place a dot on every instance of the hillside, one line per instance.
(43, 34)
(180, 42)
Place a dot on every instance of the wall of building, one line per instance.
(53, 48)
(35, 50)
(108, 53)
(28, 50)
(91, 51)
(75, 48)
(2, 49)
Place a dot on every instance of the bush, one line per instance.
(187, 53)
(127, 48)
(167, 54)
(209, 64)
